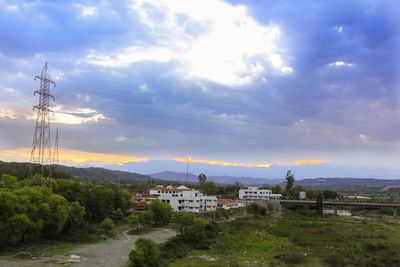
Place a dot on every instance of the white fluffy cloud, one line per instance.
(340, 64)
(210, 40)
(75, 115)
(87, 11)
(60, 114)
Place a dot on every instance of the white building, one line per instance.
(185, 199)
(254, 193)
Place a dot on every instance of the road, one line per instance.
(110, 253)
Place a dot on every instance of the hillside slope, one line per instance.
(22, 170)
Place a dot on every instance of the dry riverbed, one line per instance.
(112, 252)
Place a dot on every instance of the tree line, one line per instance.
(37, 208)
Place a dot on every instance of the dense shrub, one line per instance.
(134, 222)
(175, 249)
(30, 213)
(146, 218)
(162, 212)
(191, 229)
(107, 227)
(257, 209)
(145, 254)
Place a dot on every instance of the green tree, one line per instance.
(257, 209)
(107, 227)
(210, 188)
(329, 194)
(296, 190)
(57, 216)
(162, 212)
(134, 221)
(136, 258)
(196, 232)
(99, 202)
(8, 181)
(13, 231)
(8, 205)
(122, 200)
(190, 228)
(231, 190)
(146, 218)
(202, 179)
(276, 189)
(289, 180)
(181, 221)
(76, 217)
(145, 254)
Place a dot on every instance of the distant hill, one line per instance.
(103, 174)
(174, 176)
(346, 182)
(22, 170)
(275, 171)
(181, 176)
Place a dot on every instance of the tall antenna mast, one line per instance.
(187, 170)
(41, 146)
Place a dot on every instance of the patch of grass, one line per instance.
(43, 248)
(300, 241)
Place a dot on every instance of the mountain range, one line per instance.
(225, 179)
(104, 174)
(274, 171)
(347, 182)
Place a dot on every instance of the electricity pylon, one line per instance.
(41, 145)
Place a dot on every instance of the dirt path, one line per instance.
(113, 252)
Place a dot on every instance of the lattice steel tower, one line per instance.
(41, 146)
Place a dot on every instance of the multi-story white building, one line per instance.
(185, 199)
(254, 193)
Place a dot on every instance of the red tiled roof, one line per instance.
(226, 201)
(170, 189)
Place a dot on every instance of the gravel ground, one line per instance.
(110, 253)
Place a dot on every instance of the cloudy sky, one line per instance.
(251, 83)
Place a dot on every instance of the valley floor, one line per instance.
(294, 240)
(112, 252)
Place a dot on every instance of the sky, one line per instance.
(241, 83)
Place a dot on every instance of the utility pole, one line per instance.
(187, 170)
(41, 145)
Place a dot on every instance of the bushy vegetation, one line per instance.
(193, 233)
(35, 208)
(29, 213)
(158, 214)
(145, 254)
(191, 229)
(162, 212)
(257, 209)
(293, 240)
(107, 227)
